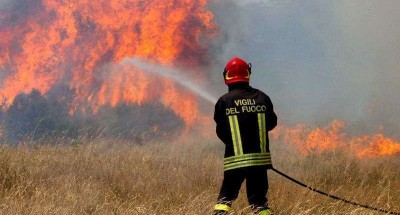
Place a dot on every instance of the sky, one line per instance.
(319, 60)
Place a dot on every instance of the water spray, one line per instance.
(172, 74)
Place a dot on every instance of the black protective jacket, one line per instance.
(244, 116)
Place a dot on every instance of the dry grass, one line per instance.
(105, 177)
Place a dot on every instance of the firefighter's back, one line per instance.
(248, 116)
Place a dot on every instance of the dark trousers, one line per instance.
(256, 185)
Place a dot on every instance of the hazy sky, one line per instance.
(319, 60)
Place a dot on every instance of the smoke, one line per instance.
(4, 3)
(371, 54)
(320, 60)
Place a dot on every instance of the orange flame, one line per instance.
(376, 145)
(72, 42)
(332, 137)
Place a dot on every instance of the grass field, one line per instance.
(119, 177)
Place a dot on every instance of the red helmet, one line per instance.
(237, 70)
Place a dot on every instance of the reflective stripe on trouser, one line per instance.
(253, 159)
(265, 212)
(222, 207)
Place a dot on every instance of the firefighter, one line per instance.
(244, 116)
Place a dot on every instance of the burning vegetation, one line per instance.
(333, 137)
(60, 74)
(51, 45)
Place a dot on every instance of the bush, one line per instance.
(34, 117)
(134, 122)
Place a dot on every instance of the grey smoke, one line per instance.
(3, 3)
(319, 60)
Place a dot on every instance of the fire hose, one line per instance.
(333, 196)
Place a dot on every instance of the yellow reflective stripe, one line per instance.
(246, 156)
(233, 132)
(222, 207)
(262, 132)
(246, 160)
(247, 164)
(265, 212)
(236, 137)
(240, 148)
